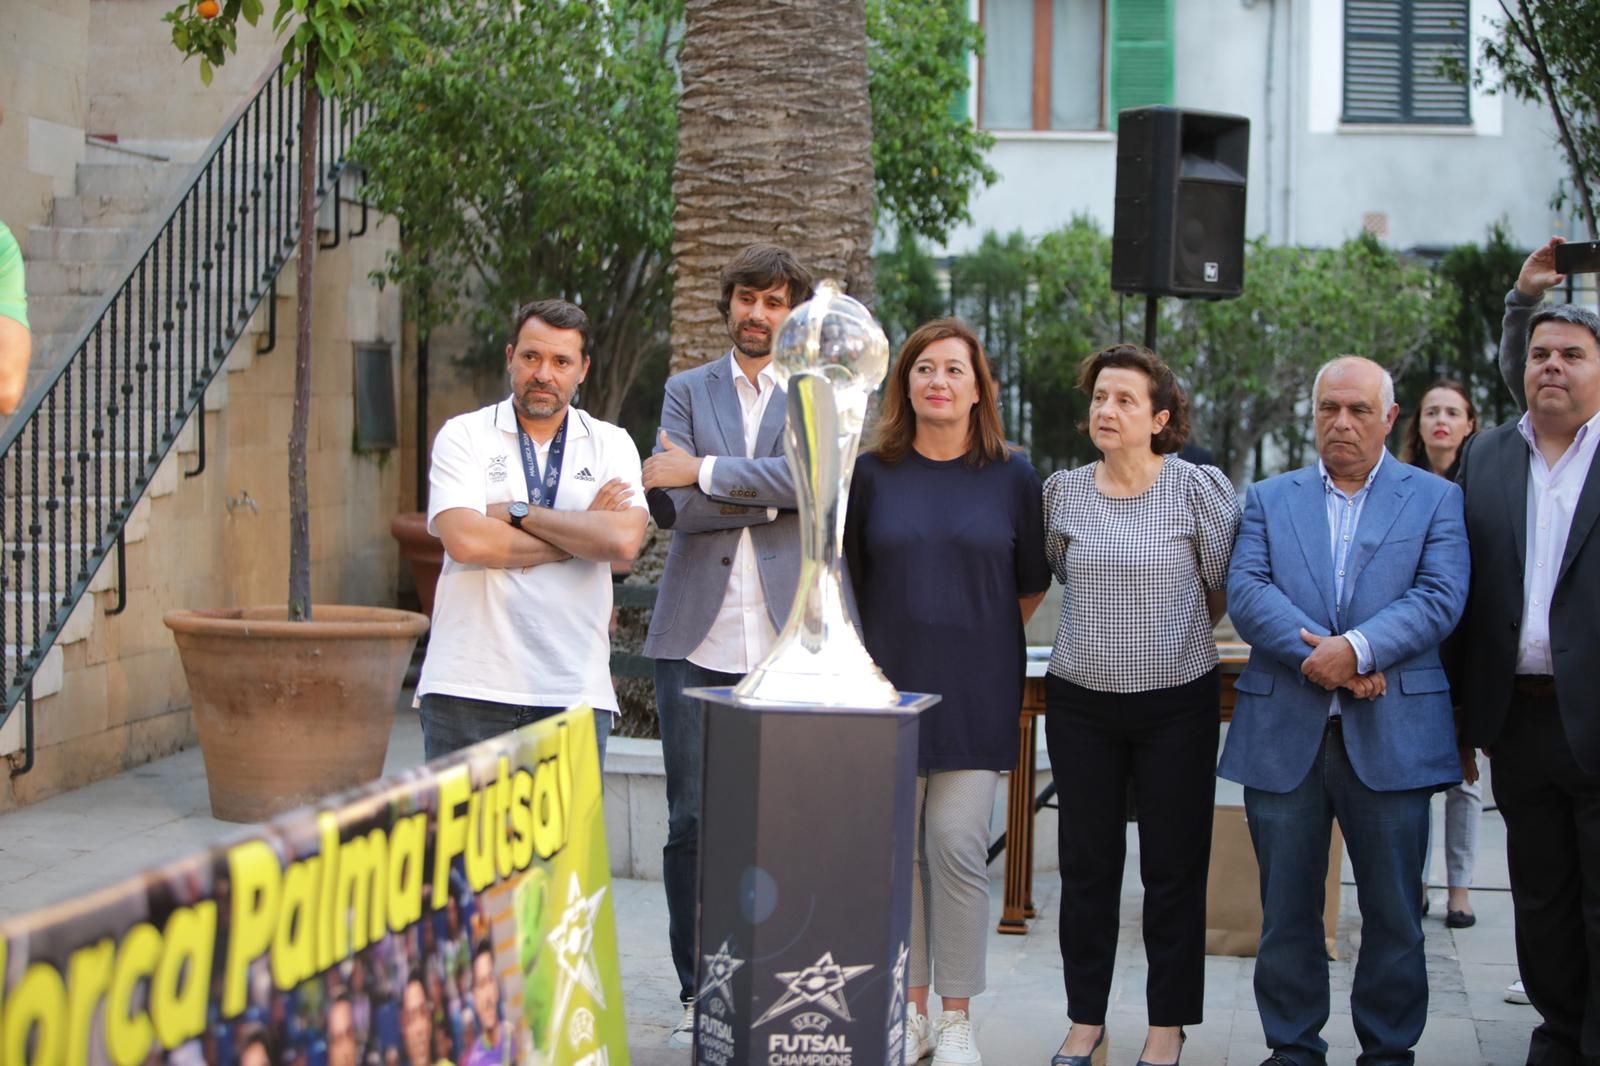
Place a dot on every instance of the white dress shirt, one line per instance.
(742, 633)
(1552, 498)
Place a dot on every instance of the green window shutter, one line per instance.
(1141, 54)
(961, 102)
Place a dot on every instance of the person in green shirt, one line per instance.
(16, 342)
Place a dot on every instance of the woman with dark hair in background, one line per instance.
(944, 540)
(1141, 541)
(1433, 439)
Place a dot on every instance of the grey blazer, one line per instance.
(701, 413)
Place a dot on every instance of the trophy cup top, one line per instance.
(835, 335)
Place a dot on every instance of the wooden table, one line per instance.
(1018, 908)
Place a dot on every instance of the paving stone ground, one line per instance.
(88, 838)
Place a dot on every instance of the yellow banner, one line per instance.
(459, 913)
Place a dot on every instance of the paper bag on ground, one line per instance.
(1233, 888)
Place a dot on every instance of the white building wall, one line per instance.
(1313, 180)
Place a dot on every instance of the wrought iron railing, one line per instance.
(80, 453)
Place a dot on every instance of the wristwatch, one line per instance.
(519, 511)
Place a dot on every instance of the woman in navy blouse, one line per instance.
(944, 537)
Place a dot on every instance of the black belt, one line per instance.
(1534, 685)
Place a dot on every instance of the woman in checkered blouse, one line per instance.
(1141, 542)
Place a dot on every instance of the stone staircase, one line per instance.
(93, 238)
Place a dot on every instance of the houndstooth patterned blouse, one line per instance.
(1135, 571)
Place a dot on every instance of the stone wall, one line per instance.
(44, 103)
(221, 539)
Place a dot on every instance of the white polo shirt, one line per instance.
(536, 638)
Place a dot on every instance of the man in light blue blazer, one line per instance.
(720, 482)
(1346, 577)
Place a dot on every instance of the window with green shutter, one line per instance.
(1141, 54)
(1394, 57)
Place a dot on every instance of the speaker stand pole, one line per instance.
(1150, 320)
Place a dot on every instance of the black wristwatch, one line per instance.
(519, 511)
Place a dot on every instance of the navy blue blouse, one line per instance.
(939, 553)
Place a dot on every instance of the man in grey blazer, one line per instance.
(719, 480)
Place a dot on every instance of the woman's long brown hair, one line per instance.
(897, 424)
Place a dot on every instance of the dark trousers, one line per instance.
(1386, 834)
(1164, 742)
(450, 723)
(1551, 809)
(682, 746)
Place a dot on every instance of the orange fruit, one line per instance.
(208, 9)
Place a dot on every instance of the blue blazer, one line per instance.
(700, 412)
(1405, 589)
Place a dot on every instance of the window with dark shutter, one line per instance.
(1394, 56)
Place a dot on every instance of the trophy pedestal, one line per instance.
(806, 823)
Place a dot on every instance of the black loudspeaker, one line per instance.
(1179, 225)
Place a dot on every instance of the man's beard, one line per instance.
(530, 406)
(756, 346)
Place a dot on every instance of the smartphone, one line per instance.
(1581, 257)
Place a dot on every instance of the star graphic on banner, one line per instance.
(573, 941)
(720, 969)
(819, 984)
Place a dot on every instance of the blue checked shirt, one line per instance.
(1344, 515)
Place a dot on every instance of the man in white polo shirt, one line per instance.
(534, 501)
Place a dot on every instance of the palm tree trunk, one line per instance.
(299, 428)
(774, 144)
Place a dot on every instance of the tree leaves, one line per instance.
(1548, 52)
(1042, 306)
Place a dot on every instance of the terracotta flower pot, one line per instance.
(289, 712)
(423, 550)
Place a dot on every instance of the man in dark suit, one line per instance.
(719, 480)
(1524, 661)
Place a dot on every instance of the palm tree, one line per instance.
(774, 144)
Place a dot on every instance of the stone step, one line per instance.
(46, 681)
(67, 558)
(76, 244)
(164, 483)
(49, 313)
(128, 179)
(120, 212)
(79, 622)
(51, 277)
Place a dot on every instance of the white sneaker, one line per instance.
(683, 1032)
(956, 1046)
(919, 1035)
(1515, 993)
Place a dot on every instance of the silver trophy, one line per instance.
(832, 355)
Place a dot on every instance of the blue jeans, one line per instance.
(682, 746)
(450, 723)
(1386, 834)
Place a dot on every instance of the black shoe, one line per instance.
(1276, 1059)
(1460, 919)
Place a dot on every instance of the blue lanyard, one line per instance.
(542, 491)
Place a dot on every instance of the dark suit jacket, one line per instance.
(1494, 477)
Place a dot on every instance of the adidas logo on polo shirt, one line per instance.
(583, 475)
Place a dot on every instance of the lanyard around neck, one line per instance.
(542, 490)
